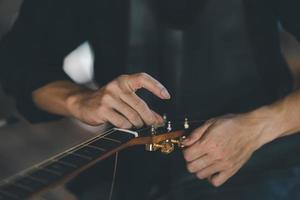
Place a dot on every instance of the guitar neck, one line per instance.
(65, 165)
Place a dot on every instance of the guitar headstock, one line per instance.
(164, 137)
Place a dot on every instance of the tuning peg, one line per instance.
(169, 126)
(165, 118)
(167, 147)
(151, 147)
(186, 124)
(179, 141)
(153, 130)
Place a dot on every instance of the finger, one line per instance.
(143, 80)
(200, 164)
(193, 152)
(197, 134)
(132, 116)
(209, 171)
(140, 107)
(117, 120)
(220, 178)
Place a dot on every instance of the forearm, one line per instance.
(279, 119)
(116, 102)
(55, 97)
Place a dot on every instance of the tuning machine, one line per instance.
(167, 146)
(152, 147)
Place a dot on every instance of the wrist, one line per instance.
(269, 124)
(74, 101)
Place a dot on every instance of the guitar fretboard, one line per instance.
(23, 185)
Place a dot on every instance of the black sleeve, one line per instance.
(31, 55)
(289, 15)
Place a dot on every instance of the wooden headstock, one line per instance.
(163, 138)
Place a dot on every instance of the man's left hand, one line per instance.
(219, 148)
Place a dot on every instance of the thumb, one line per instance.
(197, 134)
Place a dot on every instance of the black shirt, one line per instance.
(225, 60)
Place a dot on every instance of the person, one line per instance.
(211, 58)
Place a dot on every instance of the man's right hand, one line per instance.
(117, 102)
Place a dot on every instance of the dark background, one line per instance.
(17, 134)
(8, 14)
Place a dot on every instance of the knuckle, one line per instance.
(106, 98)
(150, 120)
(95, 121)
(122, 124)
(134, 117)
(112, 86)
(123, 77)
(142, 76)
(139, 104)
(105, 90)
(218, 154)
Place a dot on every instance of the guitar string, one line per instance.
(60, 155)
(109, 132)
(28, 170)
(73, 149)
(63, 154)
(111, 192)
(112, 186)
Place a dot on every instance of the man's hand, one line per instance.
(219, 148)
(117, 102)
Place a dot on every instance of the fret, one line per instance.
(22, 186)
(121, 136)
(106, 144)
(15, 192)
(45, 176)
(74, 160)
(111, 139)
(8, 196)
(66, 164)
(90, 152)
(81, 156)
(36, 179)
(5, 197)
(33, 184)
(59, 168)
(50, 171)
(98, 148)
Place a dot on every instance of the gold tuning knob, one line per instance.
(167, 147)
(179, 141)
(154, 147)
(150, 147)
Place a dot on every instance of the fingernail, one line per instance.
(160, 119)
(165, 94)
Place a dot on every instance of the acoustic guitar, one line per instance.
(68, 164)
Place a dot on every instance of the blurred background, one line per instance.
(8, 14)
(39, 141)
(23, 144)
